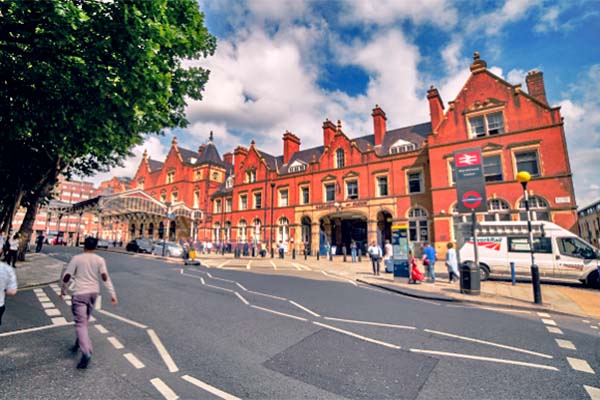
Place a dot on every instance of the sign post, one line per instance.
(470, 188)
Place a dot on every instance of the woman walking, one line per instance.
(452, 263)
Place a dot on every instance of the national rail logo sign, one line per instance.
(470, 180)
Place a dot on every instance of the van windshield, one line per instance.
(574, 247)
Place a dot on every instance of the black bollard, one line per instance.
(305, 254)
(293, 254)
(318, 255)
(344, 252)
(359, 256)
(535, 280)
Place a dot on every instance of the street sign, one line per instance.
(470, 180)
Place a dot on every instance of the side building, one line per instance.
(589, 223)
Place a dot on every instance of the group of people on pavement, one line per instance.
(9, 247)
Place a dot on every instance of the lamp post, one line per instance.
(166, 228)
(523, 177)
(272, 209)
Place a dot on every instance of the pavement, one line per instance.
(40, 269)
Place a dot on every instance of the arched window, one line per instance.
(243, 228)
(340, 161)
(498, 210)
(418, 228)
(255, 234)
(538, 208)
(284, 229)
(227, 231)
(217, 232)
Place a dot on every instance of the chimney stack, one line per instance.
(379, 126)
(239, 155)
(328, 132)
(436, 107)
(535, 85)
(228, 157)
(291, 145)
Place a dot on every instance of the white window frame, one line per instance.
(218, 206)
(347, 184)
(283, 231)
(301, 192)
(254, 196)
(243, 228)
(378, 186)
(421, 181)
(340, 162)
(418, 219)
(325, 192)
(519, 152)
(243, 201)
(228, 204)
(486, 124)
(284, 201)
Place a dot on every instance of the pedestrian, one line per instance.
(375, 253)
(83, 270)
(3, 243)
(13, 248)
(388, 259)
(263, 249)
(353, 248)
(452, 263)
(8, 285)
(39, 242)
(415, 276)
(429, 259)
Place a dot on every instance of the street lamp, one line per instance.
(272, 225)
(523, 177)
(166, 228)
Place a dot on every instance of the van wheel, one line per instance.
(592, 280)
(484, 273)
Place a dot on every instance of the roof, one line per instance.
(189, 157)
(272, 162)
(155, 165)
(416, 134)
(305, 156)
(210, 154)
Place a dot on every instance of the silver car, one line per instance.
(172, 249)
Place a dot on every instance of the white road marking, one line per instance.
(126, 320)
(115, 342)
(296, 266)
(279, 313)
(491, 359)
(593, 327)
(202, 280)
(242, 298)
(68, 302)
(43, 298)
(249, 264)
(222, 264)
(92, 318)
(469, 339)
(38, 290)
(543, 314)
(60, 321)
(580, 365)
(162, 351)
(99, 302)
(370, 323)
(38, 328)
(268, 295)
(48, 304)
(134, 360)
(302, 267)
(54, 286)
(209, 275)
(101, 329)
(52, 312)
(366, 339)
(585, 321)
(209, 388)
(553, 329)
(162, 387)
(273, 264)
(219, 287)
(548, 321)
(243, 288)
(181, 271)
(593, 392)
(340, 278)
(223, 279)
(565, 344)
(304, 308)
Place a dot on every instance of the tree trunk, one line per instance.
(11, 211)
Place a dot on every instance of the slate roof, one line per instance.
(272, 162)
(210, 154)
(155, 165)
(305, 156)
(188, 155)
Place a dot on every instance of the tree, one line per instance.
(81, 81)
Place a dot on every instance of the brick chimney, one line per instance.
(228, 157)
(379, 127)
(328, 132)
(291, 145)
(239, 155)
(535, 85)
(436, 107)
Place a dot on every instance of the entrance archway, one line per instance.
(306, 232)
(384, 227)
(172, 228)
(340, 229)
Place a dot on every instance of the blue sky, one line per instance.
(289, 64)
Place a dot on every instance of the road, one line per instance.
(286, 332)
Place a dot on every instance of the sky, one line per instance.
(286, 65)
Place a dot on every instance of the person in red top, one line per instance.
(415, 275)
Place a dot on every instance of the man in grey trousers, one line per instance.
(84, 270)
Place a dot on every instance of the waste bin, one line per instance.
(469, 278)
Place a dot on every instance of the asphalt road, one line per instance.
(197, 332)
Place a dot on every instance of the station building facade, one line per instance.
(356, 188)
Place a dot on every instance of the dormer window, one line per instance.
(229, 182)
(170, 177)
(193, 160)
(340, 161)
(141, 184)
(251, 176)
(401, 146)
(297, 166)
(486, 125)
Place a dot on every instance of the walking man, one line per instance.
(84, 270)
(39, 242)
(376, 254)
(8, 285)
(429, 259)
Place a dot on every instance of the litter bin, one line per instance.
(469, 278)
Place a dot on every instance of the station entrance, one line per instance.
(340, 229)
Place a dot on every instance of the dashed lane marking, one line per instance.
(101, 329)
(162, 387)
(38, 290)
(366, 339)
(68, 302)
(553, 329)
(48, 305)
(99, 302)
(208, 388)
(52, 312)
(209, 275)
(60, 321)
(134, 360)
(242, 299)
(585, 321)
(565, 344)
(38, 328)
(241, 287)
(543, 314)
(115, 342)
(202, 280)
(593, 392)
(491, 359)
(123, 319)
(351, 321)
(580, 365)
(593, 327)
(162, 351)
(279, 313)
(548, 322)
(503, 346)
(268, 295)
(43, 298)
(304, 308)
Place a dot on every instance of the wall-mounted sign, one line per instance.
(470, 180)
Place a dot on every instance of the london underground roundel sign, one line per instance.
(472, 199)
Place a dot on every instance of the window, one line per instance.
(217, 206)
(484, 125)
(418, 230)
(330, 192)
(283, 198)
(415, 184)
(382, 186)
(297, 166)
(228, 203)
(284, 229)
(498, 210)
(215, 176)
(574, 247)
(163, 197)
(339, 158)
(352, 190)
(170, 177)
(196, 199)
(304, 195)
(492, 168)
(198, 175)
(528, 161)
(174, 197)
(402, 148)
(538, 208)
(251, 176)
(229, 182)
(258, 200)
(256, 231)
(227, 231)
(242, 235)
(141, 184)
(217, 232)
(243, 202)
(521, 245)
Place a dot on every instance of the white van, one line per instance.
(558, 252)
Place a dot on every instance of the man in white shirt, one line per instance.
(8, 285)
(84, 270)
(375, 253)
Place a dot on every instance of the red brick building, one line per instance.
(355, 188)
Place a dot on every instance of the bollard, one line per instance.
(330, 256)
(305, 254)
(344, 253)
(535, 280)
(359, 256)
(318, 255)
(272, 253)
(512, 273)
(293, 253)
(253, 251)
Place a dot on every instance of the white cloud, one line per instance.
(516, 76)
(493, 22)
(384, 12)
(548, 21)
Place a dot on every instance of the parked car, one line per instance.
(102, 244)
(140, 246)
(172, 249)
